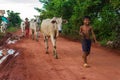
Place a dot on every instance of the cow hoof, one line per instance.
(37, 40)
(56, 57)
(47, 52)
(23, 36)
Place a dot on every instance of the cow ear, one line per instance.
(65, 21)
(53, 21)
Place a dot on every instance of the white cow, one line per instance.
(34, 26)
(38, 22)
(50, 28)
(3, 27)
(23, 28)
(38, 19)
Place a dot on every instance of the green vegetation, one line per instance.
(14, 22)
(9, 29)
(12, 29)
(14, 18)
(1, 35)
(105, 16)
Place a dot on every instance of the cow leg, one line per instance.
(46, 44)
(32, 34)
(53, 39)
(36, 36)
(5, 29)
(23, 33)
(2, 29)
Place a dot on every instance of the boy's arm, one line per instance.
(93, 34)
(80, 31)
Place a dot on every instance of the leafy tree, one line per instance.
(105, 16)
(14, 18)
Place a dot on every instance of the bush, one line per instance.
(12, 29)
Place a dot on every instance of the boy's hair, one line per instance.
(86, 17)
(26, 18)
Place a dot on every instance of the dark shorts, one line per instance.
(86, 45)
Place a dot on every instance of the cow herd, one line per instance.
(50, 28)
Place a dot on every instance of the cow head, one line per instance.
(37, 19)
(59, 22)
(32, 20)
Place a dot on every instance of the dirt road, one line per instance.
(33, 64)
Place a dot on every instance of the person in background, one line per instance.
(4, 24)
(27, 26)
(86, 31)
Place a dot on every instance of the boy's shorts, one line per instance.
(86, 45)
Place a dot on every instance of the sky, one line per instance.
(24, 7)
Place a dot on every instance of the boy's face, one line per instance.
(26, 19)
(86, 21)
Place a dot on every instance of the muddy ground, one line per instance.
(33, 64)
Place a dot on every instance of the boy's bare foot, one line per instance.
(86, 65)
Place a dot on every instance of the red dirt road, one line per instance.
(33, 64)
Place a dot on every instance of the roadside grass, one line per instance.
(103, 42)
(12, 29)
(9, 29)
